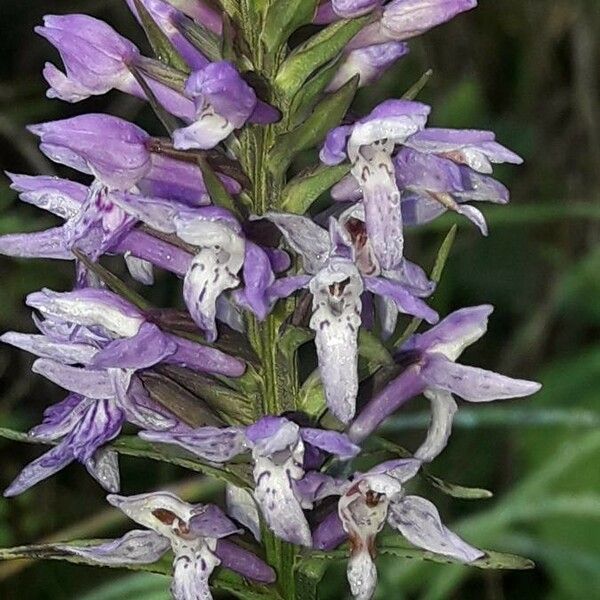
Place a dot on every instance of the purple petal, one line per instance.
(403, 469)
(330, 533)
(270, 435)
(473, 384)
(61, 418)
(331, 442)
(455, 333)
(110, 148)
(148, 347)
(406, 386)
(209, 521)
(137, 547)
(51, 243)
(285, 287)
(346, 190)
(405, 301)
(43, 467)
(419, 522)
(264, 114)
(204, 359)
(209, 443)
(354, 8)
(141, 411)
(333, 151)
(244, 562)
(258, 278)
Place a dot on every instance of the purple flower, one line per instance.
(341, 266)
(195, 533)
(97, 59)
(278, 451)
(224, 102)
(222, 251)
(405, 19)
(92, 342)
(435, 373)
(367, 503)
(166, 16)
(369, 145)
(370, 63)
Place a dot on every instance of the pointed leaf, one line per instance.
(327, 114)
(305, 188)
(203, 39)
(282, 19)
(113, 282)
(415, 89)
(216, 190)
(161, 44)
(317, 51)
(165, 74)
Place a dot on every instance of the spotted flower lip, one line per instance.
(333, 260)
(436, 373)
(278, 447)
(224, 102)
(195, 533)
(370, 500)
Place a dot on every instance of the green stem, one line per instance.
(278, 378)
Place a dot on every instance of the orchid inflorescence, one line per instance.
(266, 270)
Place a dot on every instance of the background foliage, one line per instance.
(527, 69)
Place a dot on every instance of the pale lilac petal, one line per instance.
(354, 8)
(329, 534)
(453, 334)
(51, 243)
(137, 547)
(242, 507)
(215, 444)
(413, 278)
(305, 237)
(87, 382)
(336, 320)
(141, 270)
(285, 287)
(270, 435)
(103, 466)
(405, 301)
(331, 442)
(443, 408)
(473, 384)
(192, 569)
(90, 307)
(42, 346)
(140, 410)
(346, 190)
(333, 151)
(315, 486)
(403, 469)
(61, 418)
(419, 522)
(43, 467)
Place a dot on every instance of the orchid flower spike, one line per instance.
(341, 265)
(369, 501)
(278, 449)
(434, 371)
(196, 533)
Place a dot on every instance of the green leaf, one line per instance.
(283, 18)
(304, 189)
(292, 338)
(169, 122)
(161, 44)
(308, 95)
(236, 474)
(371, 349)
(149, 586)
(113, 282)
(216, 189)
(311, 398)
(165, 74)
(314, 53)
(207, 42)
(327, 114)
(436, 275)
(309, 574)
(394, 545)
(415, 89)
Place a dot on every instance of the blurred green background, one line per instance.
(527, 69)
